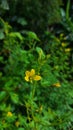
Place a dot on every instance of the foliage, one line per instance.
(35, 92)
(36, 76)
(31, 15)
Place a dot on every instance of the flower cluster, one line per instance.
(30, 76)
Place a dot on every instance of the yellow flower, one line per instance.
(30, 76)
(67, 50)
(63, 44)
(9, 114)
(40, 109)
(61, 35)
(57, 85)
(17, 123)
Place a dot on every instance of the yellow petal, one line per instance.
(37, 77)
(61, 35)
(17, 123)
(32, 72)
(26, 78)
(27, 73)
(9, 114)
(67, 50)
(57, 85)
(64, 44)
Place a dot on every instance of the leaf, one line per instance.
(1, 35)
(40, 52)
(20, 128)
(32, 35)
(62, 12)
(2, 106)
(22, 21)
(2, 95)
(71, 93)
(1, 58)
(5, 5)
(14, 97)
(8, 85)
(16, 34)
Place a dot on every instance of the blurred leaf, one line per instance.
(71, 93)
(1, 58)
(20, 128)
(16, 34)
(63, 12)
(14, 98)
(32, 35)
(2, 95)
(2, 106)
(2, 36)
(4, 4)
(8, 84)
(40, 52)
(22, 21)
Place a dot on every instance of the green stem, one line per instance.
(67, 10)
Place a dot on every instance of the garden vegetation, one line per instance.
(36, 65)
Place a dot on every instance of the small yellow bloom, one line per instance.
(40, 109)
(9, 114)
(57, 85)
(37, 77)
(67, 50)
(61, 35)
(63, 44)
(17, 123)
(30, 76)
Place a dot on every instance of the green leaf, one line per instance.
(16, 34)
(5, 5)
(1, 58)
(20, 128)
(32, 35)
(71, 93)
(14, 98)
(2, 107)
(40, 52)
(2, 95)
(62, 12)
(22, 21)
(1, 35)
(8, 85)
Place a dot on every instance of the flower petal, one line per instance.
(27, 73)
(57, 85)
(26, 78)
(37, 77)
(32, 72)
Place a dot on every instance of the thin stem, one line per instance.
(67, 10)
